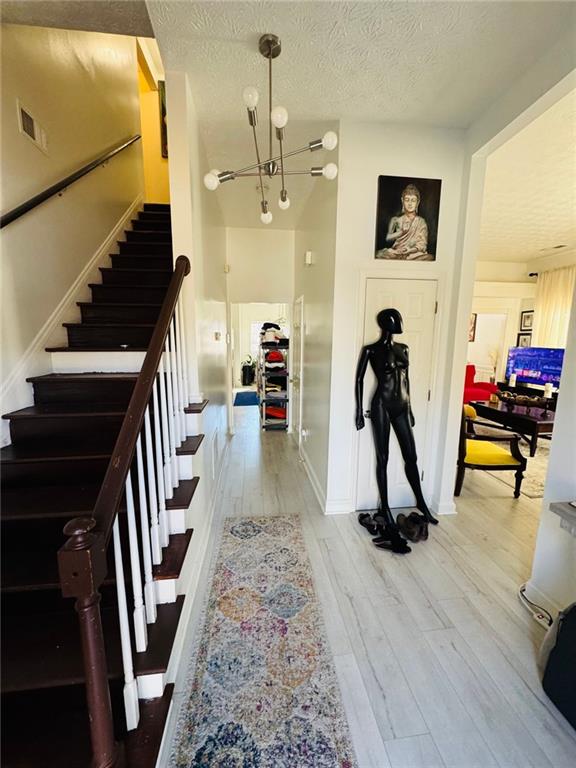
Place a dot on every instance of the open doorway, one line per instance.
(260, 360)
(524, 283)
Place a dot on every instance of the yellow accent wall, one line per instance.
(156, 184)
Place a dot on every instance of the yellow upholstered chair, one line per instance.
(483, 452)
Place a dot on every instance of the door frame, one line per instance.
(420, 272)
(293, 427)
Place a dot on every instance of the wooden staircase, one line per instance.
(53, 472)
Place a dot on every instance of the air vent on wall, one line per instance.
(30, 128)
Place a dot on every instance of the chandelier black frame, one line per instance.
(270, 47)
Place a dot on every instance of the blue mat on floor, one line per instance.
(246, 398)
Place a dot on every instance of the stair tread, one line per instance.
(97, 349)
(130, 285)
(196, 407)
(109, 325)
(88, 376)
(133, 269)
(183, 494)
(164, 243)
(173, 557)
(64, 410)
(61, 729)
(44, 650)
(68, 501)
(116, 304)
(53, 451)
(22, 573)
(190, 446)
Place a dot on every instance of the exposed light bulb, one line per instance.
(330, 171)
(330, 140)
(284, 204)
(250, 96)
(279, 117)
(266, 218)
(211, 181)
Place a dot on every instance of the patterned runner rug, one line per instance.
(263, 691)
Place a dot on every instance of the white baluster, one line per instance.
(162, 515)
(146, 533)
(171, 422)
(174, 377)
(140, 634)
(165, 419)
(184, 353)
(180, 372)
(130, 685)
(150, 453)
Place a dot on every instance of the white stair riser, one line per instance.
(97, 362)
(166, 590)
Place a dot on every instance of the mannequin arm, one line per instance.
(359, 388)
(410, 414)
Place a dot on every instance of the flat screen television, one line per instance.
(535, 365)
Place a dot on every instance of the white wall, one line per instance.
(502, 298)
(485, 352)
(198, 232)
(503, 272)
(261, 264)
(367, 151)
(553, 580)
(316, 232)
(83, 89)
(243, 316)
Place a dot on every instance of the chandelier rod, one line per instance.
(311, 172)
(259, 163)
(270, 106)
(311, 147)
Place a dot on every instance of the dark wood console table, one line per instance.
(528, 422)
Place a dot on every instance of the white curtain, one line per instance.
(554, 292)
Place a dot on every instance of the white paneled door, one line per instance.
(416, 301)
(297, 349)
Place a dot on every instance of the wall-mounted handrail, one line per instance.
(20, 210)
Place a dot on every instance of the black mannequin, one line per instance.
(390, 406)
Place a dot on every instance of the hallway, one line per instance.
(435, 656)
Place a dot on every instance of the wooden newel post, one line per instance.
(82, 566)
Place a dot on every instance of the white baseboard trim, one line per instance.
(25, 366)
(313, 477)
(535, 595)
(340, 507)
(443, 507)
(197, 552)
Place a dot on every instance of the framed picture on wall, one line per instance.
(527, 320)
(524, 340)
(472, 327)
(407, 218)
(163, 127)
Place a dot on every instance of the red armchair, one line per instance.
(476, 390)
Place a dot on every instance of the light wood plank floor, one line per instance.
(435, 656)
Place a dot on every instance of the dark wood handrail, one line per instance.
(20, 210)
(82, 560)
(112, 489)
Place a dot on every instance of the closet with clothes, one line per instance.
(272, 377)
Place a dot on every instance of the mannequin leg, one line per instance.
(403, 429)
(381, 434)
(389, 537)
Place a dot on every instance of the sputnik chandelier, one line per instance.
(270, 47)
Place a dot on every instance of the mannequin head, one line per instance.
(390, 321)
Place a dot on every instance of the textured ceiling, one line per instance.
(438, 63)
(530, 190)
(123, 17)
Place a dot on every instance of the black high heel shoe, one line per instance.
(366, 521)
(390, 539)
